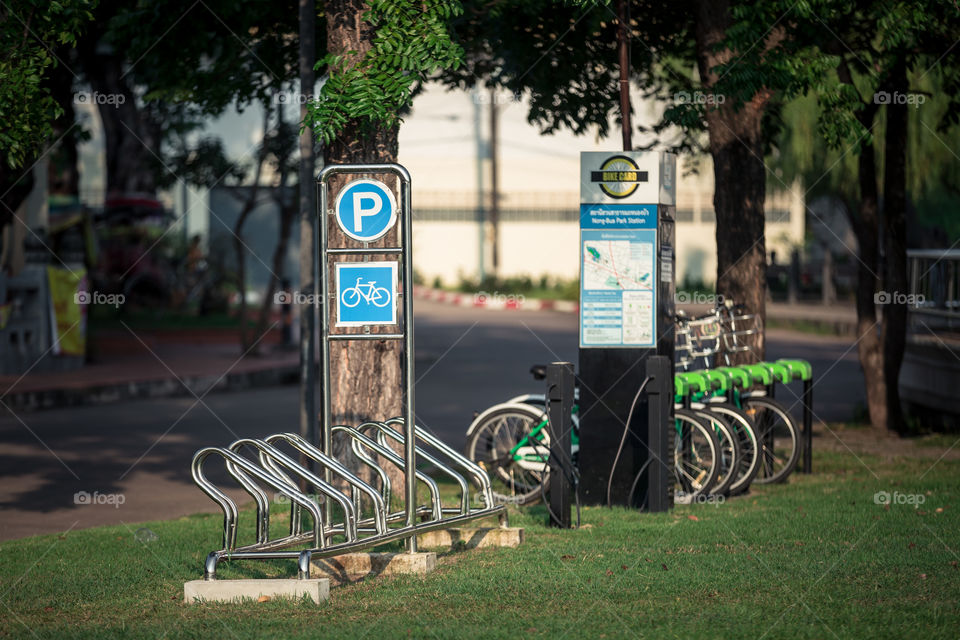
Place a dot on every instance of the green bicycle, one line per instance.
(511, 441)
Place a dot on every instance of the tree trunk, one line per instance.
(15, 186)
(308, 229)
(239, 246)
(63, 174)
(239, 252)
(869, 345)
(366, 375)
(131, 140)
(286, 210)
(736, 145)
(867, 227)
(895, 236)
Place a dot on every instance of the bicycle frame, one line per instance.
(366, 292)
(530, 452)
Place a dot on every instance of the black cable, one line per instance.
(566, 461)
(623, 439)
(576, 493)
(576, 499)
(546, 466)
(636, 481)
(569, 469)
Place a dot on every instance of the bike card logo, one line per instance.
(619, 177)
(366, 293)
(366, 210)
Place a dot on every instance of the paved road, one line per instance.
(466, 360)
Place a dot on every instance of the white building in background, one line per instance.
(446, 133)
(445, 143)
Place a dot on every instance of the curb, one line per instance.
(776, 318)
(843, 328)
(107, 393)
(496, 302)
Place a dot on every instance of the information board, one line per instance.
(618, 275)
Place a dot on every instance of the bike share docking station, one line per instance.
(340, 513)
(627, 218)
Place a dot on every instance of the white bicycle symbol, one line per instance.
(369, 292)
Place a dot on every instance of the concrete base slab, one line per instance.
(472, 538)
(350, 567)
(318, 589)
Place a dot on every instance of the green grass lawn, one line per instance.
(815, 558)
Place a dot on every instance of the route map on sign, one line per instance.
(617, 265)
(618, 275)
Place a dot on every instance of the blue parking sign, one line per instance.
(366, 210)
(366, 293)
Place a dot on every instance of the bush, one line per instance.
(545, 286)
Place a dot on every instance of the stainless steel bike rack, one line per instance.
(367, 517)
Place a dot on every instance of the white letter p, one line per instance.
(359, 212)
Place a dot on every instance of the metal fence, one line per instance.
(934, 297)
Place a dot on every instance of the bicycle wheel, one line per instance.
(351, 297)
(380, 297)
(729, 451)
(695, 454)
(777, 436)
(747, 436)
(500, 441)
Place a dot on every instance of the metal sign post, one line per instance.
(626, 316)
(366, 211)
(560, 406)
(359, 296)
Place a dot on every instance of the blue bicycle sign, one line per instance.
(369, 292)
(365, 293)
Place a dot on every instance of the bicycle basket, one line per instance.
(696, 338)
(737, 330)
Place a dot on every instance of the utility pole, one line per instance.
(184, 203)
(481, 221)
(623, 47)
(494, 189)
